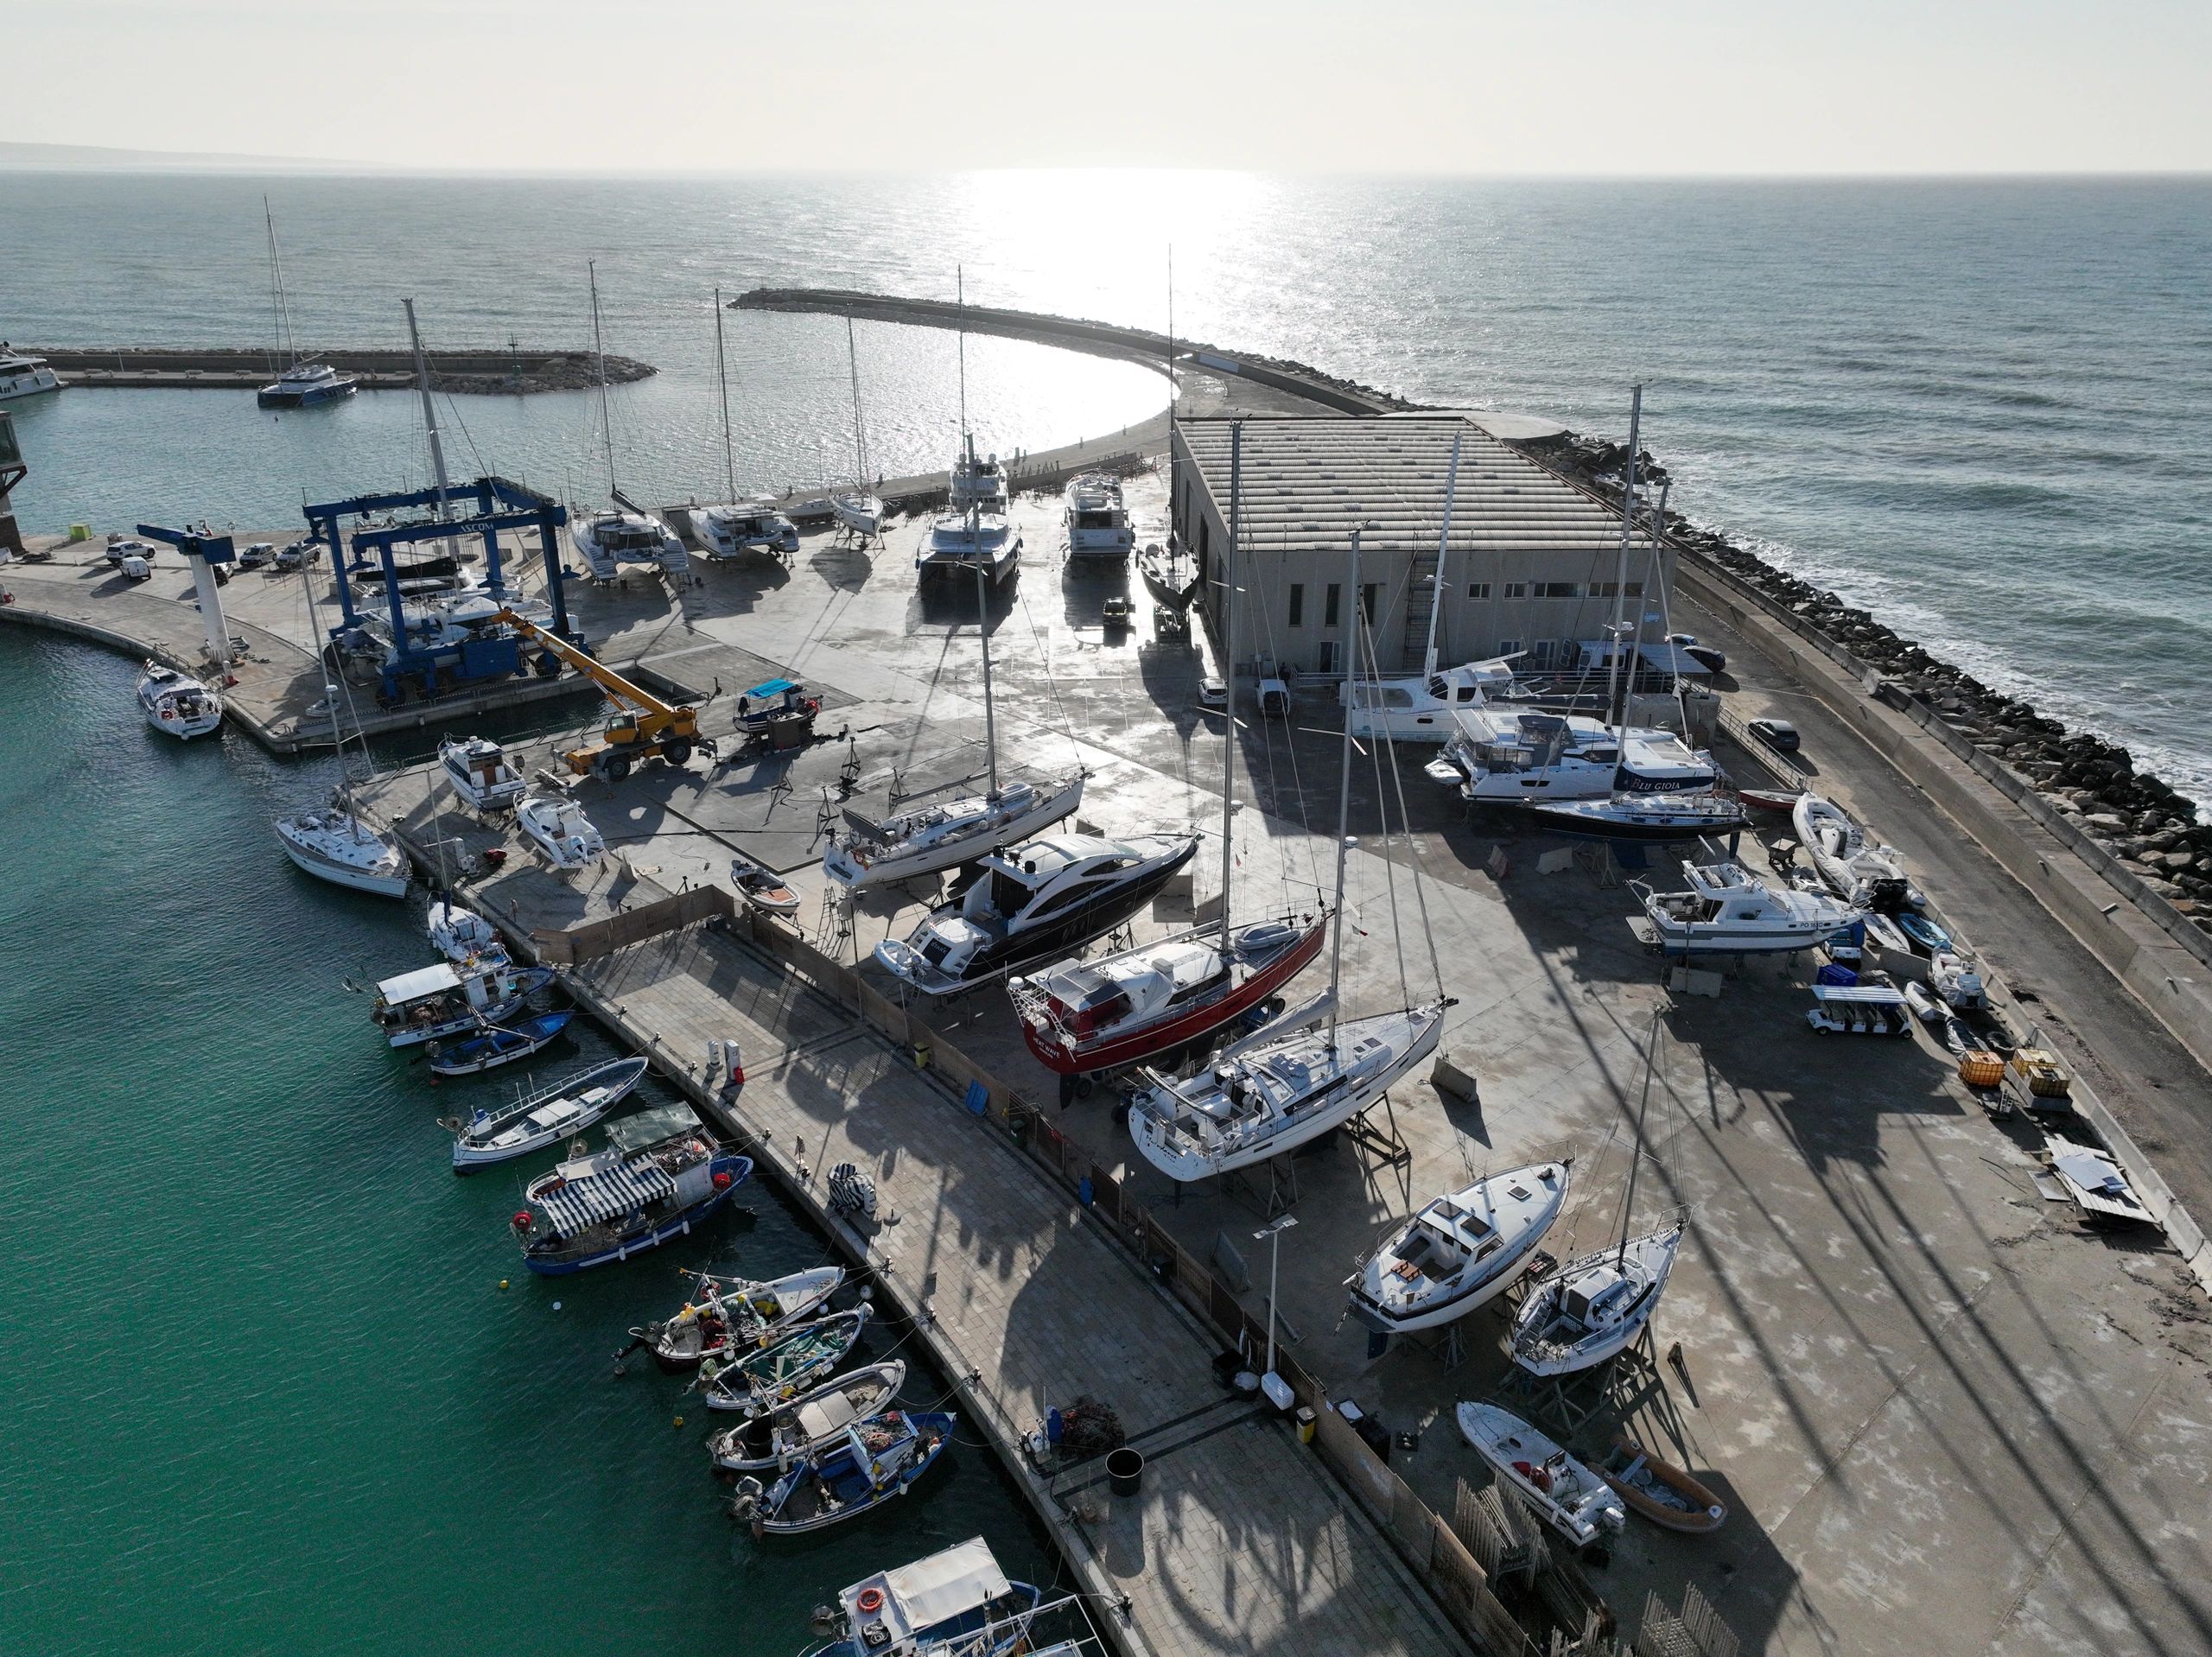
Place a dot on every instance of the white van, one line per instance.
(135, 568)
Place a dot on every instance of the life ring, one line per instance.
(870, 1601)
(522, 1220)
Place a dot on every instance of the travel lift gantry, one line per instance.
(429, 671)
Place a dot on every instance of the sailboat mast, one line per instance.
(430, 424)
(1616, 689)
(983, 630)
(1344, 799)
(1168, 362)
(721, 373)
(859, 442)
(286, 350)
(1229, 643)
(1443, 549)
(599, 350)
(960, 299)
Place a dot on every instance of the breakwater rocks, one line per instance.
(511, 370)
(2139, 818)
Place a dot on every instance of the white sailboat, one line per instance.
(625, 533)
(1460, 1252)
(1270, 1096)
(733, 526)
(337, 845)
(176, 704)
(859, 509)
(1590, 1308)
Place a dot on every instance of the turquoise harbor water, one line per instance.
(1983, 408)
(263, 1392)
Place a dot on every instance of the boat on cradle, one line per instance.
(1419, 708)
(1034, 902)
(176, 704)
(1169, 576)
(451, 999)
(761, 1380)
(734, 529)
(661, 1174)
(1770, 801)
(461, 934)
(857, 508)
(1653, 818)
(1729, 911)
(957, 545)
(609, 540)
(481, 773)
(1098, 522)
(337, 845)
(761, 887)
(306, 383)
(497, 1044)
(954, 1603)
(1458, 1253)
(724, 1314)
(932, 838)
(1660, 1492)
(1277, 1095)
(1590, 1309)
(809, 1422)
(977, 483)
(1855, 868)
(778, 711)
(1505, 755)
(556, 825)
(1567, 1496)
(544, 1118)
(868, 1463)
(1081, 1017)
(21, 375)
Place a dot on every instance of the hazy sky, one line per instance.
(1706, 87)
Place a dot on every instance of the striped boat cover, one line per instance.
(604, 1194)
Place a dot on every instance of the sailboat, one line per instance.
(1273, 1092)
(858, 509)
(303, 382)
(733, 527)
(1079, 1018)
(975, 532)
(626, 534)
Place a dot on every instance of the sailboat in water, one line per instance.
(859, 510)
(303, 382)
(626, 533)
(1271, 1094)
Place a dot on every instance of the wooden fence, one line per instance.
(595, 938)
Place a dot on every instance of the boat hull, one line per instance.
(840, 865)
(1502, 1269)
(1647, 830)
(343, 874)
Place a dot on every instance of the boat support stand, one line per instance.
(1617, 1387)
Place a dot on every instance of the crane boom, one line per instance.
(644, 725)
(612, 684)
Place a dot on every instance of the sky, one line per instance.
(1704, 86)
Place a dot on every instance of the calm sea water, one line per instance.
(1984, 407)
(265, 1394)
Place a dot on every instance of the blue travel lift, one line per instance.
(414, 670)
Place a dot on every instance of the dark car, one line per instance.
(1777, 734)
(1705, 656)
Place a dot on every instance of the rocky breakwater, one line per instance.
(2153, 829)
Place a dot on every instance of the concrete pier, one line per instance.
(512, 370)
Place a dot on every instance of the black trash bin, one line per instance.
(1125, 1470)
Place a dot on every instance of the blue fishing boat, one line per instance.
(857, 1470)
(957, 1600)
(661, 1174)
(498, 1044)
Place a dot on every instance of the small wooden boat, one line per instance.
(862, 1467)
(497, 1044)
(1768, 800)
(808, 1423)
(1662, 1493)
(722, 1316)
(776, 1374)
(546, 1117)
(1566, 1494)
(761, 887)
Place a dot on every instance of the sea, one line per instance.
(265, 1391)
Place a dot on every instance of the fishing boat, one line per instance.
(725, 1314)
(1098, 522)
(661, 1174)
(496, 1045)
(1566, 1494)
(449, 999)
(1033, 903)
(556, 825)
(755, 1382)
(1590, 1309)
(955, 1603)
(176, 704)
(974, 544)
(857, 508)
(481, 773)
(809, 1422)
(1855, 868)
(760, 885)
(1653, 818)
(1729, 911)
(1662, 1493)
(461, 934)
(778, 711)
(1080, 1017)
(545, 1117)
(337, 845)
(932, 838)
(22, 376)
(1459, 1252)
(862, 1467)
(304, 383)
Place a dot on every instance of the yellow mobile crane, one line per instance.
(643, 725)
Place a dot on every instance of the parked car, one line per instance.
(254, 556)
(1116, 613)
(1705, 656)
(135, 568)
(291, 558)
(1777, 733)
(1212, 694)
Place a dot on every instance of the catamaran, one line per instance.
(734, 526)
(304, 383)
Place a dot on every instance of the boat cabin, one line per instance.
(933, 1603)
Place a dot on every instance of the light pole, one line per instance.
(1279, 1393)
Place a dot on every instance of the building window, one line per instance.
(1329, 606)
(1366, 592)
(1329, 652)
(1508, 647)
(1557, 590)
(1298, 604)
(1614, 589)
(1516, 589)
(1478, 589)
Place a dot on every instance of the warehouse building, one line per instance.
(1532, 565)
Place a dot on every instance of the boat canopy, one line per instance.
(771, 688)
(1859, 994)
(416, 985)
(960, 1580)
(604, 1187)
(649, 1128)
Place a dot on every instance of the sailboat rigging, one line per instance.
(859, 510)
(301, 382)
(626, 533)
(732, 526)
